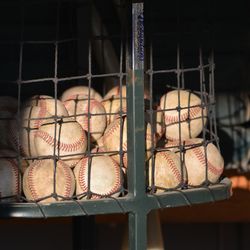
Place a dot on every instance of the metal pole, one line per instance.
(136, 133)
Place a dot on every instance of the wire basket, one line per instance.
(90, 129)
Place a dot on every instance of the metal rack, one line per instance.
(137, 202)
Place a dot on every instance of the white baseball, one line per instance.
(196, 162)
(67, 138)
(81, 90)
(53, 106)
(188, 118)
(112, 137)
(113, 105)
(9, 180)
(105, 177)
(31, 119)
(167, 171)
(80, 107)
(38, 181)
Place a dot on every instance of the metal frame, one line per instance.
(137, 203)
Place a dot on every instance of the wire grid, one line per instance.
(206, 93)
(158, 74)
(58, 120)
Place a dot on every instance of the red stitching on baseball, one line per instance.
(14, 137)
(83, 178)
(190, 113)
(30, 179)
(111, 129)
(66, 147)
(68, 180)
(16, 179)
(200, 156)
(41, 114)
(172, 166)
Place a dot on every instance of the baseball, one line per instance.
(9, 180)
(199, 164)
(84, 109)
(53, 106)
(31, 119)
(113, 105)
(105, 177)
(64, 139)
(111, 139)
(190, 118)
(80, 90)
(166, 172)
(38, 181)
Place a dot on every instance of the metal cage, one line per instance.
(92, 57)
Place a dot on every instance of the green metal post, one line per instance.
(136, 133)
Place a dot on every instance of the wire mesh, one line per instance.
(67, 118)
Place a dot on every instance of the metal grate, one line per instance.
(135, 190)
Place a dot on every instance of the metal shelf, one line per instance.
(169, 199)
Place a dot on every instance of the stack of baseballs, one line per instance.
(50, 141)
(185, 159)
(76, 146)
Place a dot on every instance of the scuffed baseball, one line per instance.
(105, 177)
(31, 119)
(112, 137)
(166, 173)
(69, 141)
(10, 180)
(196, 162)
(80, 90)
(188, 118)
(80, 107)
(53, 106)
(38, 181)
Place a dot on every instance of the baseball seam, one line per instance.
(173, 167)
(68, 180)
(191, 113)
(211, 168)
(111, 129)
(66, 147)
(30, 180)
(15, 175)
(14, 139)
